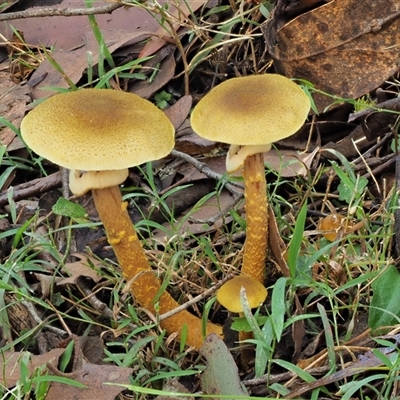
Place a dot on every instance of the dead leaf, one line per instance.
(10, 365)
(66, 33)
(74, 62)
(81, 268)
(101, 382)
(173, 385)
(191, 143)
(345, 48)
(298, 329)
(165, 73)
(179, 14)
(7, 4)
(179, 111)
(365, 362)
(13, 100)
(289, 163)
(276, 243)
(208, 210)
(46, 283)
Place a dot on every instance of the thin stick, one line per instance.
(195, 300)
(65, 12)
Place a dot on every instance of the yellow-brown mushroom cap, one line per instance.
(228, 294)
(251, 110)
(98, 129)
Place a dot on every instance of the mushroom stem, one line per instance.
(136, 267)
(255, 187)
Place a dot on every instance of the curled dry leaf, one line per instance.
(345, 48)
(290, 163)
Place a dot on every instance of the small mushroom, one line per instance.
(228, 294)
(98, 134)
(330, 226)
(250, 113)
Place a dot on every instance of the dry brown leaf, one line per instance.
(276, 243)
(68, 33)
(101, 382)
(46, 283)
(164, 75)
(173, 385)
(364, 363)
(209, 210)
(74, 62)
(178, 15)
(178, 112)
(81, 268)
(290, 163)
(191, 143)
(13, 100)
(346, 48)
(10, 370)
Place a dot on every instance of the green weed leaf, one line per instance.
(221, 375)
(68, 208)
(278, 307)
(385, 304)
(297, 239)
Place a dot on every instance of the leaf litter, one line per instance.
(307, 156)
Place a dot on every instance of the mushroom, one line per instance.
(228, 294)
(330, 226)
(98, 134)
(250, 113)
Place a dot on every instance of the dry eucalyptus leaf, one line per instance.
(46, 283)
(74, 61)
(276, 243)
(178, 112)
(164, 74)
(345, 48)
(13, 100)
(210, 211)
(66, 33)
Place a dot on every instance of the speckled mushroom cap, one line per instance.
(98, 129)
(228, 294)
(251, 110)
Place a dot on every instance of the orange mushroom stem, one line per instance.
(255, 188)
(145, 285)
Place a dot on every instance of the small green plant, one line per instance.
(162, 99)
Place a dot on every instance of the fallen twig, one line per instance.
(32, 188)
(64, 12)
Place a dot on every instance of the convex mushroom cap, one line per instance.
(98, 130)
(253, 111)
(229, 293)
